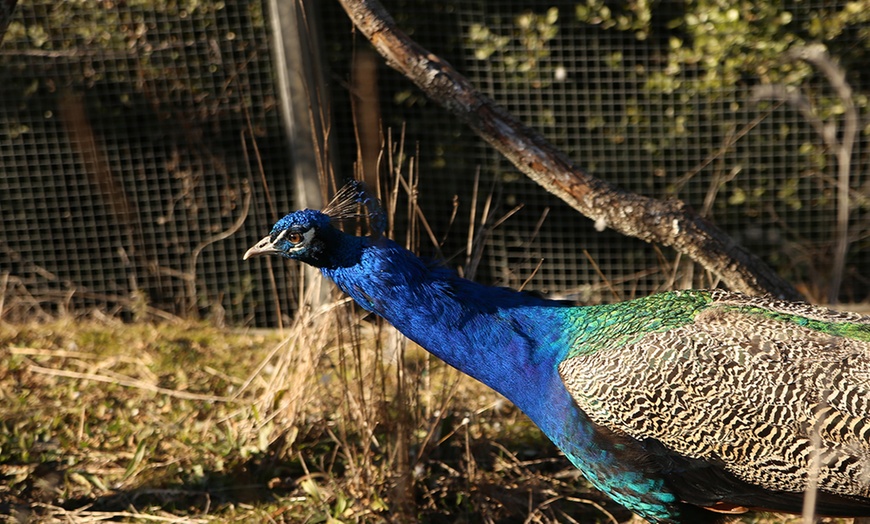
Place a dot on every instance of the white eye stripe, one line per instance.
(307, 236)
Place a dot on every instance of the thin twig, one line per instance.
(811, 494)
(601, 275)
(729, 142)
(194, 255)
(126, 382)
(534, 272)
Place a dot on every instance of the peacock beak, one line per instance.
(266, 246)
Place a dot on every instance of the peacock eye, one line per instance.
(295, 237)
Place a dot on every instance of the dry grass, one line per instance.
(336, 421)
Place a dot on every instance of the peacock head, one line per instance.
(301, 235)
(310, 236)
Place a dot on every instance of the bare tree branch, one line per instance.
(670, 223)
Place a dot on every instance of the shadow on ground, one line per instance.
(544, 488)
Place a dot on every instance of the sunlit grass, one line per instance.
(195, 423)
(333, 421)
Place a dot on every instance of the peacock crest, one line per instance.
(354, 201)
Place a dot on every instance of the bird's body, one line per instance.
(669, 404)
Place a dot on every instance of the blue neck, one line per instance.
(508, 340)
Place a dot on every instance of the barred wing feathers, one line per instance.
(743, 386)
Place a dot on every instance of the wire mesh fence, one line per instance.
(136, 138)
(625, 93)
(128, 150)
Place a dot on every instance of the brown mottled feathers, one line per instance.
(767, 391)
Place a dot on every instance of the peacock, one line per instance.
(684, 406)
